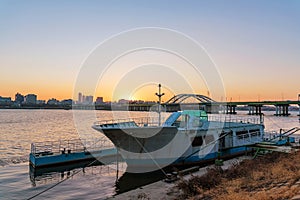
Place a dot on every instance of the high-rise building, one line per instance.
(99, 100)
(80, 100)
(88, 99)
(19, 98)
(30, 99)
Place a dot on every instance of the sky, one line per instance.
(255, 46)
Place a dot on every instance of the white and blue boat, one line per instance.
(185, 137)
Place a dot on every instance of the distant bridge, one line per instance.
(197, 101)
(180, 98)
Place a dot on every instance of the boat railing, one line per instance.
(68, 146)
(248, 138)
(154, 121)
(246, 120)
(129, 122)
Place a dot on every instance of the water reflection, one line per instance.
(124, 181)
(130, 181)
(42, 176)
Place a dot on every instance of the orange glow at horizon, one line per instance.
(147, 93)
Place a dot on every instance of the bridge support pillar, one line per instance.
(211, 108)
(282, 110)
(299, 110)
(250, 110)
(172, 107)
(230, 109)
(255, 109)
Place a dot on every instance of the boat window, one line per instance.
(197, 122)
(198, 141)
(241, 132)
(254, 132)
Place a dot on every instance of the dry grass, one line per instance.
(269, 177)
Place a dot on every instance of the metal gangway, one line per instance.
(286, 133)
(279, 142)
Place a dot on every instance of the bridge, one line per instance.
(180, 98)
(192, 101)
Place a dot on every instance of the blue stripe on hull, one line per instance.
(133, 163)
(214, 155)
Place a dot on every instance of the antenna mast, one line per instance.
(159, 94)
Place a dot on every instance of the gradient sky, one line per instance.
(255, 44)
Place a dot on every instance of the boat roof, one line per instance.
(192, 113)
(195, 113)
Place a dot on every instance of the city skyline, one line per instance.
(90, 99)
(255, 45)
(19, 98)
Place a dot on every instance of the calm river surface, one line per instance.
(19, 128)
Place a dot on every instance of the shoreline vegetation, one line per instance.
(273, 176)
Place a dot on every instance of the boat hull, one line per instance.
(147, 165)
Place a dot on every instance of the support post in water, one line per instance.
(159, 94)
(117, 174)
(299, 106)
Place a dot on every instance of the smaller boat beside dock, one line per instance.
(57, 153)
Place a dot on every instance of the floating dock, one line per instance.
(59, 153)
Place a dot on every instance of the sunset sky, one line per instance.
(254, 44)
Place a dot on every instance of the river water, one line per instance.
(19, 128)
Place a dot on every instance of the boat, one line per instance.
(53, 155)
(185, 137)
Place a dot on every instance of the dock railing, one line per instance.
(68, 146)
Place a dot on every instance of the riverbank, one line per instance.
(272, 176)
(168, 191)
